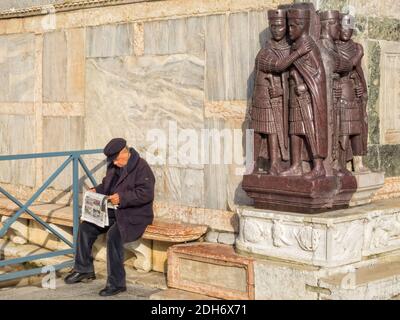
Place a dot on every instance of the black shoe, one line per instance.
(76, 277)
(109, 291)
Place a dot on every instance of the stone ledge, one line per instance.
(62, 7)
(173, 232)
(160, 230)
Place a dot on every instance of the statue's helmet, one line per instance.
(298, 14)
(278, 14)
(348, 21)
(329, 15)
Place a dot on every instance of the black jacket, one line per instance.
(136, 192)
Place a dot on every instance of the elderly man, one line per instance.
(129, 183)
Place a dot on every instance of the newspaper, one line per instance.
(95, 208)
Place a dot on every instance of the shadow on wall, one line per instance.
(82, 183)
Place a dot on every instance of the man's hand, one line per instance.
(114, 199)
(92, 190)
(359, 91)
(305, 48)
(275, 92)
(300, 89)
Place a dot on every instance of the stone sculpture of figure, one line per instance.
(335, 64)
(269, 113)
(353, 129)
(308, 105)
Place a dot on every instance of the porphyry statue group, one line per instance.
(310, 95)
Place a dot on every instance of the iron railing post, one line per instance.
(75, 188)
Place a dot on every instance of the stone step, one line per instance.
(380, 280)
(210, 269)
(376, 278)
(175, 294)
(10, 250)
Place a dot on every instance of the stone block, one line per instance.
(159, 252)
(212, 236)
(389, 92)
(226, 238)
(63, 67)
(220, 220)
(238, 56)
(376, 278)
(211, 269)
(17, 137)
(175, 36)
(142, 95)
(109, 40)
(44, 238)
(379, 280)
(368, 184)
(217, 61)
(283, 281)
(215, 171)
(142, 248)
(17, 67)
(192, 187)
(62, 134)
(19, 230)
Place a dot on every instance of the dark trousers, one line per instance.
(87, 235)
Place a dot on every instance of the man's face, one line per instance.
(333, 28)
(122, 159)
(296, 28)
(278, 29)
(346, 34)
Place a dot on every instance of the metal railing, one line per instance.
(74, 157)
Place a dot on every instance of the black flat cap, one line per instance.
(112, 148)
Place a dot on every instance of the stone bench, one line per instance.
(152, 247)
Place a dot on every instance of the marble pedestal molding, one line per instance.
(331, 239)
(368, 184)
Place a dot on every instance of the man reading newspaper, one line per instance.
(129, 185)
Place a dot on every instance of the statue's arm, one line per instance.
(270, 64)
(360, 54)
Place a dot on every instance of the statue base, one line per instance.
(296, 194)
(351, 253)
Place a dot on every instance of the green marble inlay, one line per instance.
(372, 160)
(384, 29)
(374, 56)
(361, 27)
(384, 158)
(332, 4)
(390, 160)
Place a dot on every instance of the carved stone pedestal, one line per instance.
(351, 253)
(330, 239)
(297, 194)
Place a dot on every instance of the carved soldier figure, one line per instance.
(335, 65)
(271, 93)
(308, 105)
(353, 130)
